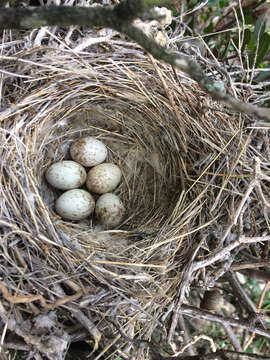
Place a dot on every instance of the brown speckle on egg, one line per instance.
(88, 151)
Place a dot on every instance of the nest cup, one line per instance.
(149, 120)
(138, 139)
(138, 144)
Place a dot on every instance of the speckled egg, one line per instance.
(66, 175)
(76, 204)
(103, 178)
(109, 210)
(88, 151)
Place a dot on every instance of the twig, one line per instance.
(242, 266)
(182, 325)
(16, 345)
(102, 16)
(252, 335)
(30, 298)
(221, 354)
(184, 63)
(87, 324)
(156, 349)
(194, 340)
(235, 342)
(257, 274)
(119, 18)
(242, 295)
(206, 315)
(185, 280)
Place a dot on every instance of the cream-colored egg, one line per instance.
(88, 151)
(103, 178)
(66, 175)
(109, 210)
(76, 204)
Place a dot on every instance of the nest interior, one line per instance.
(177, 150)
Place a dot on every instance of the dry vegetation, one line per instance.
(196, 185)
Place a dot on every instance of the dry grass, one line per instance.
(186, 162)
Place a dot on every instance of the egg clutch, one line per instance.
(102, 179)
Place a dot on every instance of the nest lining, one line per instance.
(171, 196)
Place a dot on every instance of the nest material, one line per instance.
(185, 162)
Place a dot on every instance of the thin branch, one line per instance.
(103, 16)
(242, 266)
(219, 254)
(87, 324)
(117, 19)
(215, 88)
(182, 325)
(259, 306)
(257, 274)
(206, 315)
(221, 354)
(22, 299)
(16, 345)
(194, 341)
(235, 342)
(242, 296)
(185, 281)
(240, 293)
(155, 349)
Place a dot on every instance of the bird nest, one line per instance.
(185, 160)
